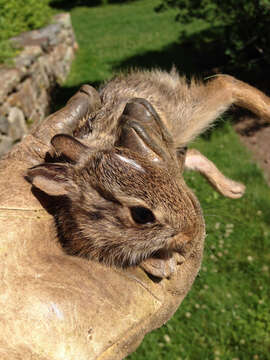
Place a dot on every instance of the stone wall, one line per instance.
(25, 87)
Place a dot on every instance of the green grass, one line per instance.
(123, 36)
(109, 35)
(227, 313)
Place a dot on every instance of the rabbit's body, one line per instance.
(123, 204)
(178, 103)
(122, 198)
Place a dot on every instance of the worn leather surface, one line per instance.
(55, 306)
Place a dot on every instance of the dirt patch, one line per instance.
(255, 134)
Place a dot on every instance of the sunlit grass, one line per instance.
(111, 34)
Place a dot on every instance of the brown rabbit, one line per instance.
(120, 195)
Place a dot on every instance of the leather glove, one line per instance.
(56, 306)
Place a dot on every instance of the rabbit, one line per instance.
(120, 197)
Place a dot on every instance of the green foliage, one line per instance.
(7, 52)
(240, 26)
(17, 16)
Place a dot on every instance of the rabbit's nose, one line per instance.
(178, 242)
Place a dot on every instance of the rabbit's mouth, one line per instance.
(164, 254)
(163, 264)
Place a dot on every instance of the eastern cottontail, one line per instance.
(120, 194)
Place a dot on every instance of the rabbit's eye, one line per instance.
(142, 215)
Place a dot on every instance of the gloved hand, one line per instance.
(56, 306)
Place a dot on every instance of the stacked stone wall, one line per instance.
(26, 86)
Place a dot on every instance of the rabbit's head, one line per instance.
(125, 204)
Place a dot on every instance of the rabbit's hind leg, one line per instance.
(207, 101)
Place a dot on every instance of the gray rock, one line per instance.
(24, 98)
(25, 41)
(9, 80)
(4, 109)
(64, 19)
(28, 56)
(17, 126)
(41, 37)
(3, 125)
(6, 144)
(50, 31)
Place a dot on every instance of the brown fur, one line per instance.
(186, 108)
(94, 216)
(98, 193)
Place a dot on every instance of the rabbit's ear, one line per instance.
(52, 179)
(68, 147)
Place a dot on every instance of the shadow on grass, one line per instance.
(191, 56)
(68, 5)
(201, 54)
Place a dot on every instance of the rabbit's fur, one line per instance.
(183, 105)
(121, 198)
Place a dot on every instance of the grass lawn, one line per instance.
(227, 313)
